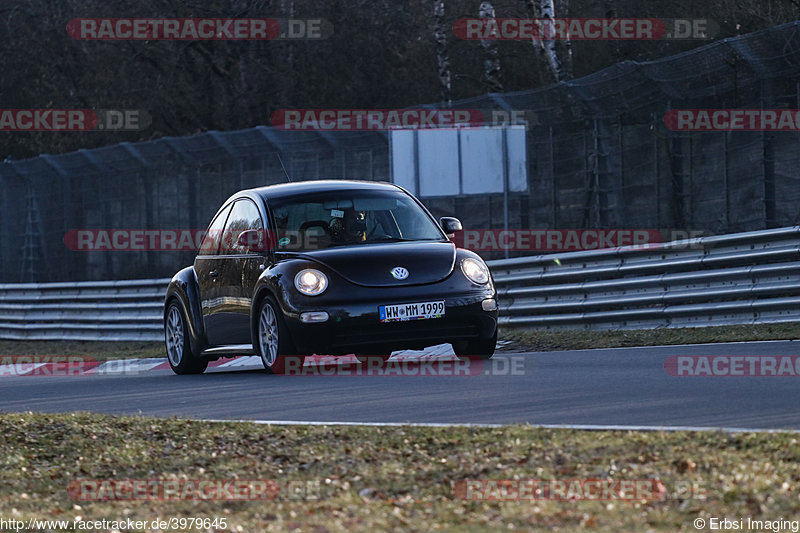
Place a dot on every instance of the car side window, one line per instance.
(379, 224)
(244, 216)
(213, 235)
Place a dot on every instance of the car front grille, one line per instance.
(406, 333)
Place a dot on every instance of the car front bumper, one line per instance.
(355, 327)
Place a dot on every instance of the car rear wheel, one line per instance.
(273, 343)
(179, 351)
(476, 349)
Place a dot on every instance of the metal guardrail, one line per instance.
(87, 311)
(743, 278)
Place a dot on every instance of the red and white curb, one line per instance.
(16, 366)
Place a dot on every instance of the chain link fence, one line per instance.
(599, 157)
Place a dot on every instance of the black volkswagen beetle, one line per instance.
(328, 267)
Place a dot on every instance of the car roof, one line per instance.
(314, 186)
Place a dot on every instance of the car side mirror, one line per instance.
(450, 225)
(251, 239)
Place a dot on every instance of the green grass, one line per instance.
(392, 478)
(542, 341)
(99, 350)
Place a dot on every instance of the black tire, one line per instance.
(272, 340)
(179, 350)
(476, 349)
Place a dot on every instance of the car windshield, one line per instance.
(350, 218)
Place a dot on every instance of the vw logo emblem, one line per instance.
(399, 273)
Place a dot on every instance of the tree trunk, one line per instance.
(286, 90)
(442, 57)
(548, 43)
(491, 61)
(566, 45)
(611, 13)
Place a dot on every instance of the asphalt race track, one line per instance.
(623, 386)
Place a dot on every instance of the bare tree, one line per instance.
(491, 61)
(548, 42)
(287, 87)
(611, 12)
(442, 57)
(545, 41)
(565, 44)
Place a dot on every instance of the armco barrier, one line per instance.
(742, 278)
(104, 310)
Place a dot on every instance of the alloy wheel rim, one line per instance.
(268, 335)
(174, 336)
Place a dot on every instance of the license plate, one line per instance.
(415, 311)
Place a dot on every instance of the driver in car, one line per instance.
(350, 227)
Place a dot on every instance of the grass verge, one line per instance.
(543, 341)
(99, 350)
(391, 478)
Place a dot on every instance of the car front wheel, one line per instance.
(273, 343)
(179, 351)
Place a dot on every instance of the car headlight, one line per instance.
(311, 282)
(476, 271)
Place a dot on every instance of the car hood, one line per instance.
(371, 264)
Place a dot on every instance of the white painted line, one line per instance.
(628, 348)
(366, 424)
(734, 343)
(583, 427)
(721, 343)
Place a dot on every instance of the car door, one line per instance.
(245, 262)
(208, 266)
